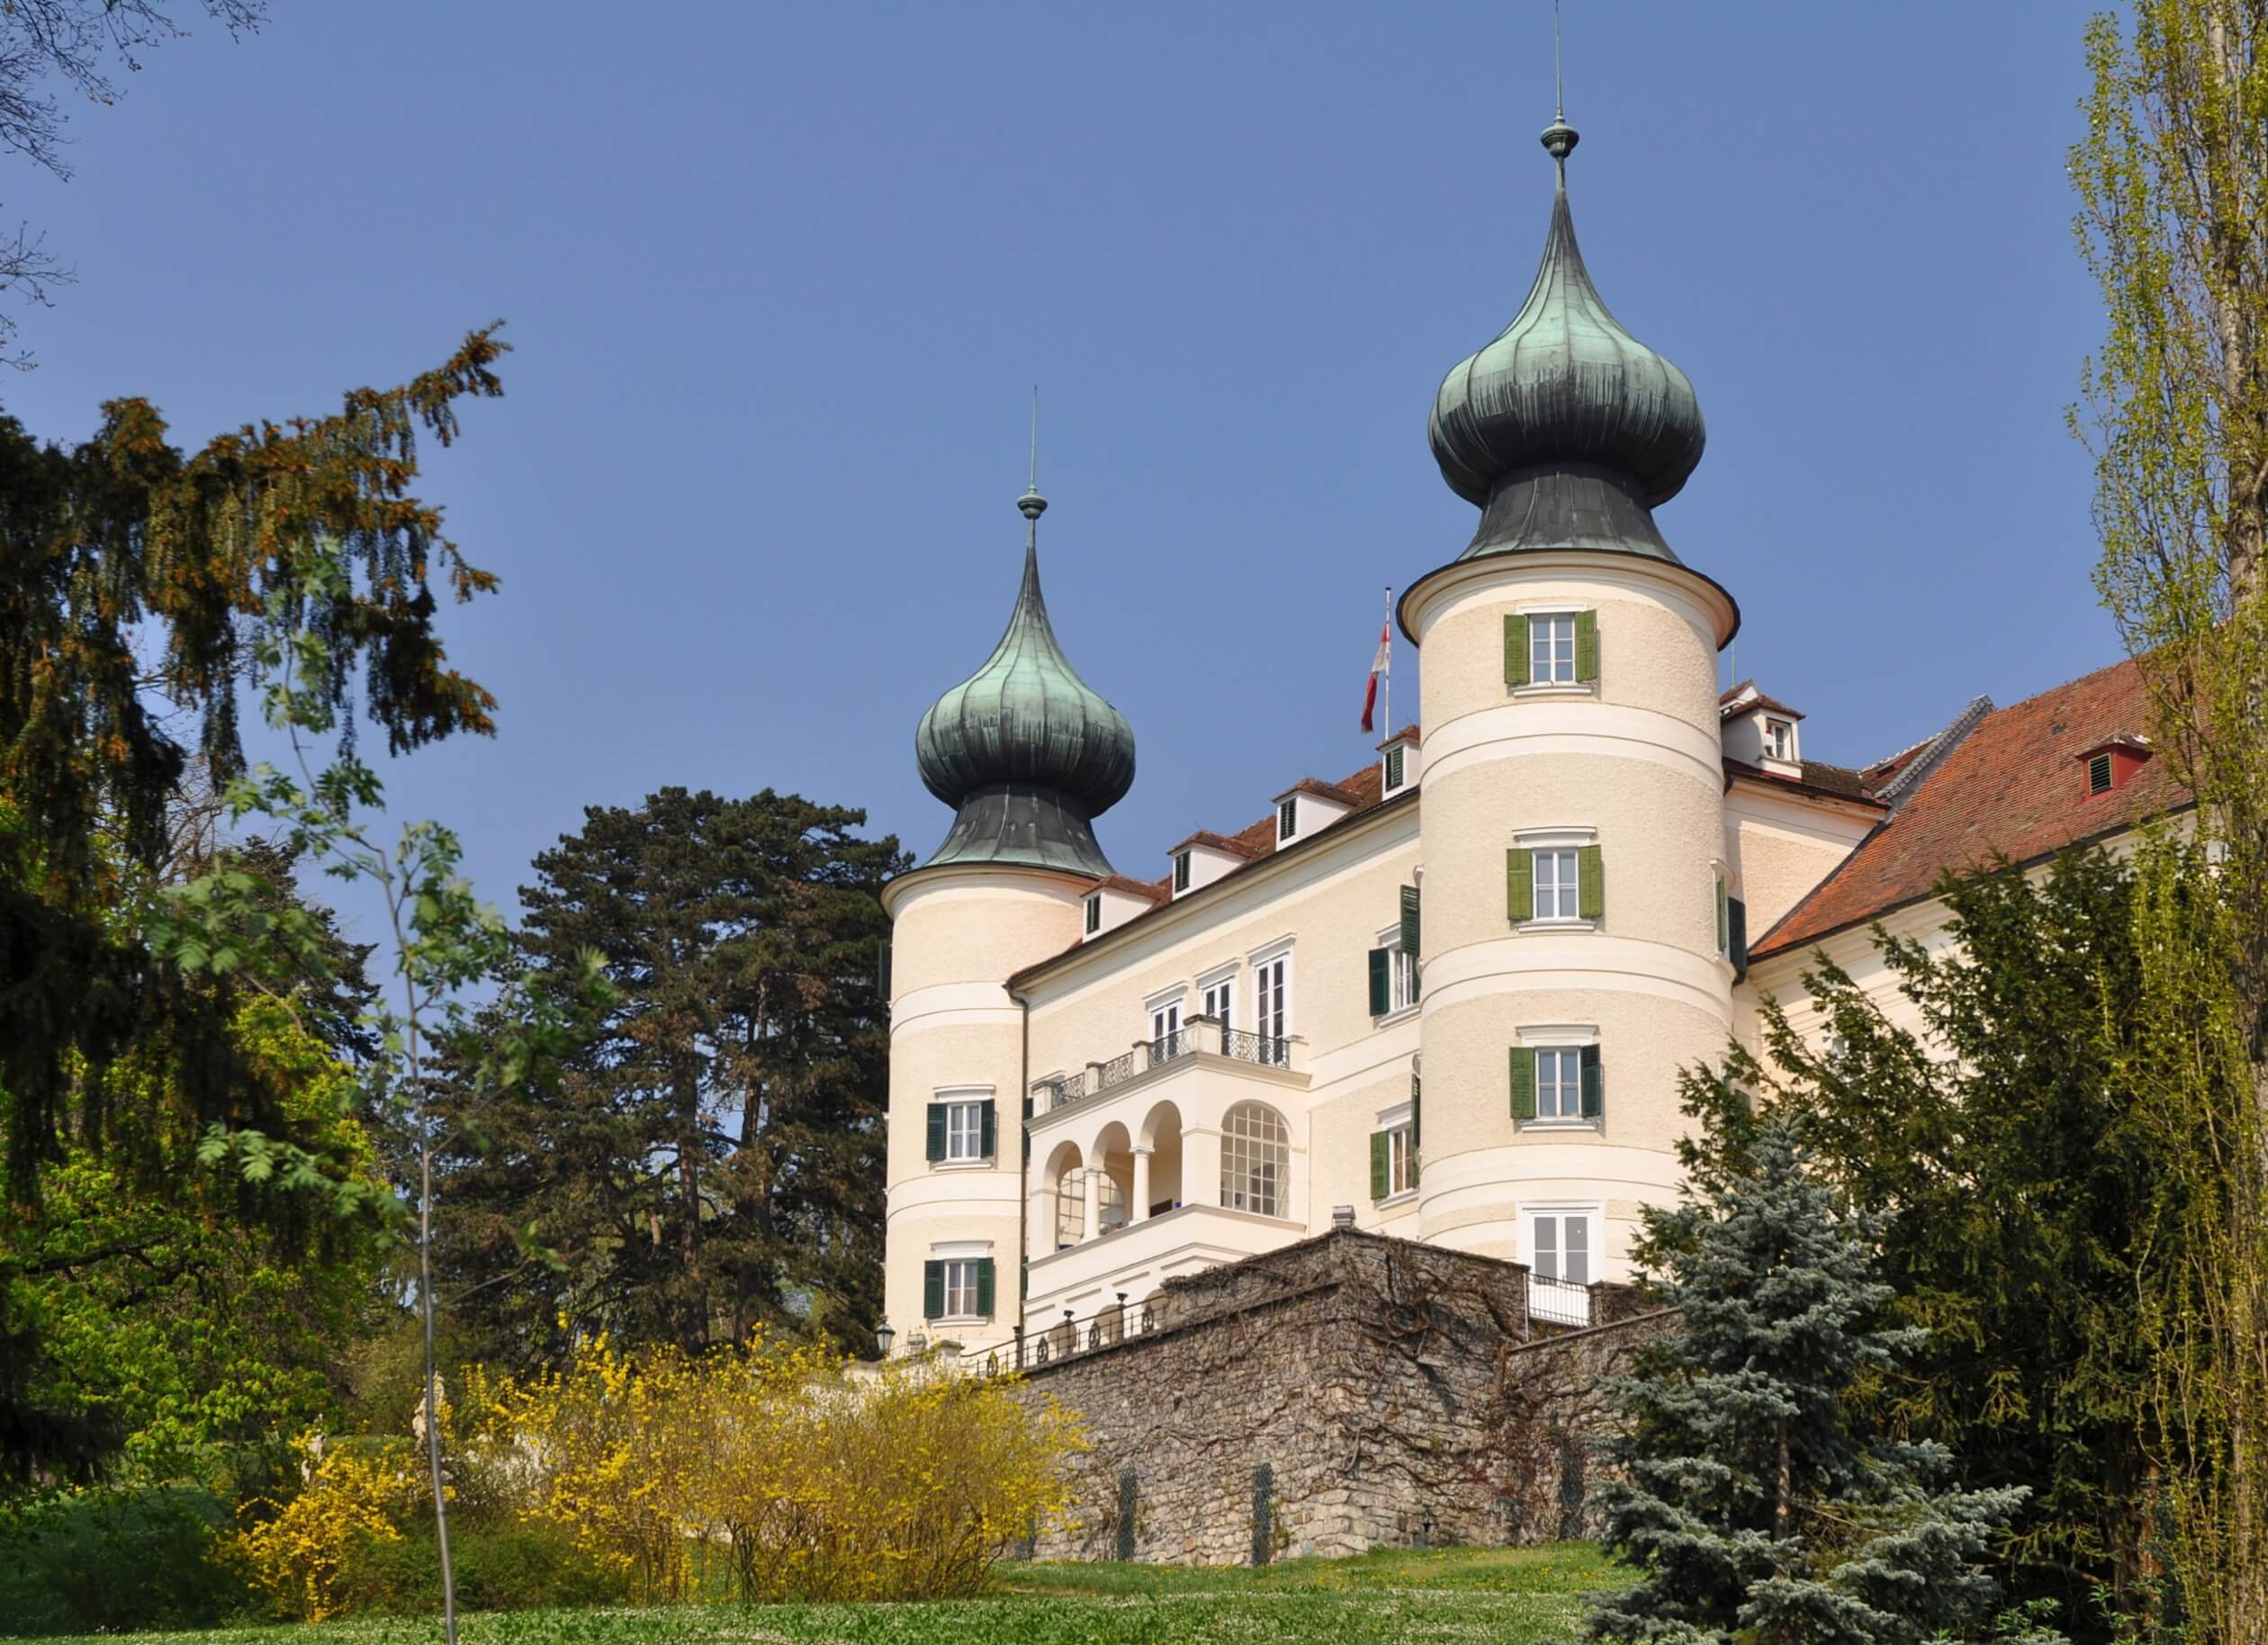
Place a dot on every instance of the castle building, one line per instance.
(1446, 998)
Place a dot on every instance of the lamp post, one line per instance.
(883, 1337)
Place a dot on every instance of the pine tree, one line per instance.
(711, 1159)
(1752, 1501)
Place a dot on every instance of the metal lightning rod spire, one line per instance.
(1031, 503)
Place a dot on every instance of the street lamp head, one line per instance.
(883, 1337)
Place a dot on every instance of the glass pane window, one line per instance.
(1401, 1161)
(1070, 1210)
(1255, 1157)
(960, 1289)
(1558, 1083)
(1552, 651)
(1272, 1015)
(1779, 738)
(1402, 972)
(1220, 1001)
(1165, 1021)
(964, 1130)
(1559, 1246)
(1094, 915)
(1556, 895)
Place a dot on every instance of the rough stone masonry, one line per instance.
(1349, 1392)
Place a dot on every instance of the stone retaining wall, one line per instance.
(1345, 1393)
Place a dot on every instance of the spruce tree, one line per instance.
(1753, 1500)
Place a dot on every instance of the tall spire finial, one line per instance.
(1559, 138)
(1032, 504)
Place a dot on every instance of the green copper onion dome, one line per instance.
(1023, 749)
(1566, 430)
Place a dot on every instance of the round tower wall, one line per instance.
(957, 936)
(1630, 763)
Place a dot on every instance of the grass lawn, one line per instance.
(1503, 1596)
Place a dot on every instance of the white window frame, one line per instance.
(1274, 992)
(1400, 1124)
(961, 1288)
(1568, 1037)
(1538, 686)
(1547, 631)
(1564, 892)
(964, 1131)
(1402, 973)
(1556, 1212)
(1558, 1083)
(1557, 837)
(957, 1099)
(1240, 1150)
(1163, 1011)
(1780, 739)
(1221, 979)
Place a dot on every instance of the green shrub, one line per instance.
(519, 1568)
(116, 1562)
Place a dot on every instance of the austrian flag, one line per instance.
(1380, 667)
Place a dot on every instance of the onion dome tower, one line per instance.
(1566, 431)
(1573, 826)
(1024, 750)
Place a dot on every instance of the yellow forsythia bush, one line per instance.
(776, 1472)
(356, 1493)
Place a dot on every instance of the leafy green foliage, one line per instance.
(111, 1562)
(1753, 1500)
(2011, 1148)
(711, 1159)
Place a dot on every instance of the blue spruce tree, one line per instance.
(1756, 1506)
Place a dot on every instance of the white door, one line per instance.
(1272, 1017)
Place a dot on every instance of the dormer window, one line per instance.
(1780, 739)
(2111, 762)
(1181, 872)
(1288, 819)
(1396, 766)
(1094, 914)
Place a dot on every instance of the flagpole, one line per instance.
(1387, 691)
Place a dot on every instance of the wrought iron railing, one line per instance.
(1559, 1302)
(1266, 1050)
(1165, 1047)
(1035, 1345)
(1269, 1053)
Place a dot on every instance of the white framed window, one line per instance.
(1094, 914)
(1288, 819)
(1559, 1083)
(1561, 1244)
(964, 1130)
(1070, 1210)
(1779, 738)
(960, 1289)
(1397, 972)
(1401, 1161)
(1166, 1020)
(1272, 1007)
(1256, 1159)
(1551, 648)
(1219, 997)
(1558, 891)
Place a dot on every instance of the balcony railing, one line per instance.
(1558, 1302)
(1037, 1346)
(1264, 1050)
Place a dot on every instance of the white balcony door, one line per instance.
(1164, 1021)
(1220, 1001)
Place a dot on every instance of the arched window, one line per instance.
(1255, 1156)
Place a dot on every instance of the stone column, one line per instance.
(1091, 1186)
(1200, 1167)
(1139, 1210)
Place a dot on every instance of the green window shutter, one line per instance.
(1515, 649)
(1594, 1084)
(984, 1286)
(990, 1139)
(882, 970)
(1523, 1082)
(1724, 918)
(936, 1132)
(1417, 1110)
(1380, 1182)
(1591, 883)
(1586, 645)
(1382, 990)
(1737, 912)
(1519, 885)
(1409, 922)
(932, 1290)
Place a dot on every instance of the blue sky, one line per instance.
(779, 279)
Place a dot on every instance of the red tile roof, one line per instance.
(1219, 842)
(2014, 788)
(1339, 794)
(1145, 889)
(1726, 705)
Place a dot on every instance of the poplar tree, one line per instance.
(2172, 179)
(1754, 1502)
